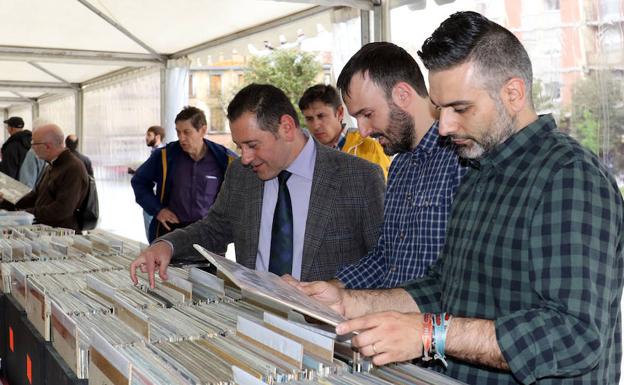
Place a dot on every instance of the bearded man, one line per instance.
(384, 90)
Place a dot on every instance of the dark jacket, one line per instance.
(60, 191)
(13, 152)
(85, 159)
(151, 172)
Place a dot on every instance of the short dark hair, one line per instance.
(269, 103)
(323, 93)
(471, 37)
(194, 114)
(386, 65)
(71, 144)
(159, 131)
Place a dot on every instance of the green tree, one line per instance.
(541, 99)
(587, 131)
(597, 104)
(291, 70)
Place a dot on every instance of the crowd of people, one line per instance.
(491, 245)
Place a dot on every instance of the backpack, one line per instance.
(89, 210)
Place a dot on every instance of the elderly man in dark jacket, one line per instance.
(63, 185)
(15, 148)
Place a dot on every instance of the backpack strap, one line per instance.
(164, 166)
(163, 154)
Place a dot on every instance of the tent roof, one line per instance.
(53, 46)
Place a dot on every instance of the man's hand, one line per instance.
(157, 255)
(321, 291)
(387, 337)
(166, 216)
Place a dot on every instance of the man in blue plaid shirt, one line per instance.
(384, 90)
(532, 270)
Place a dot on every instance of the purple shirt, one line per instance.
(194, 186)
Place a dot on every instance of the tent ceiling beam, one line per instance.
(56, 55)
(13, 85)
(250, 31)
(359, 4)
(123, 30)
(8, 99)
(48, 72)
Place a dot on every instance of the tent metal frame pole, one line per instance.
(250, 31)
(381, 20)
(79, 107)
(56, 55)
(8, 99)
(359, 4)
(48, 72)
(34, 110)
(14, 85)
(365, 27)
(122, 29)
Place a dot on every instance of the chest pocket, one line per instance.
(430, 200)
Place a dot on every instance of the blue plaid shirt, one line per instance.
(421, 186)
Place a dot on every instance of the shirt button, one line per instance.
(402, 235)
(393, 268)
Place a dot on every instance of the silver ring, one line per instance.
(374, 351)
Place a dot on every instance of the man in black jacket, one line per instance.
(71, 142)
(15, 148)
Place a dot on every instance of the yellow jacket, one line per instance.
(366, 148)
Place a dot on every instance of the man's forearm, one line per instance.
(362, 302)
(474, 341)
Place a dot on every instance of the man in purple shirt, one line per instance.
(187, 174)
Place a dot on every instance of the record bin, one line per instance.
(2, 332)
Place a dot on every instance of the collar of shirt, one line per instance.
(428, 143)
(342, 139)
(518, 144)
(303, 165)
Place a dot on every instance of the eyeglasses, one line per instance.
(37, 143)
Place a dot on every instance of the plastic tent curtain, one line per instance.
(116, 116)
(176, 93)
(61, 111)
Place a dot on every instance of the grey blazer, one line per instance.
(344, 216)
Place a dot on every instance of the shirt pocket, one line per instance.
(429, 200)
(208, 186)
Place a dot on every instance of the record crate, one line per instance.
(24, 347)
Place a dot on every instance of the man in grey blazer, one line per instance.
(337, 199)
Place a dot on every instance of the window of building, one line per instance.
(217, 119)
(551, 5)
(215, 85)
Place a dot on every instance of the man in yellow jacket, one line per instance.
(323, 112)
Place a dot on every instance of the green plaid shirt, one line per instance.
(535, 243)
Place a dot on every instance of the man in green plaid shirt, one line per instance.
(532, 268)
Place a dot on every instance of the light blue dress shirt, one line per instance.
(300, 186)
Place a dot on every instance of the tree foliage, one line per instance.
(542, 101)
(291, 70)
(597, 116)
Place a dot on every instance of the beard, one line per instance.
(400, 133)
(151, 143)
(500, 130)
